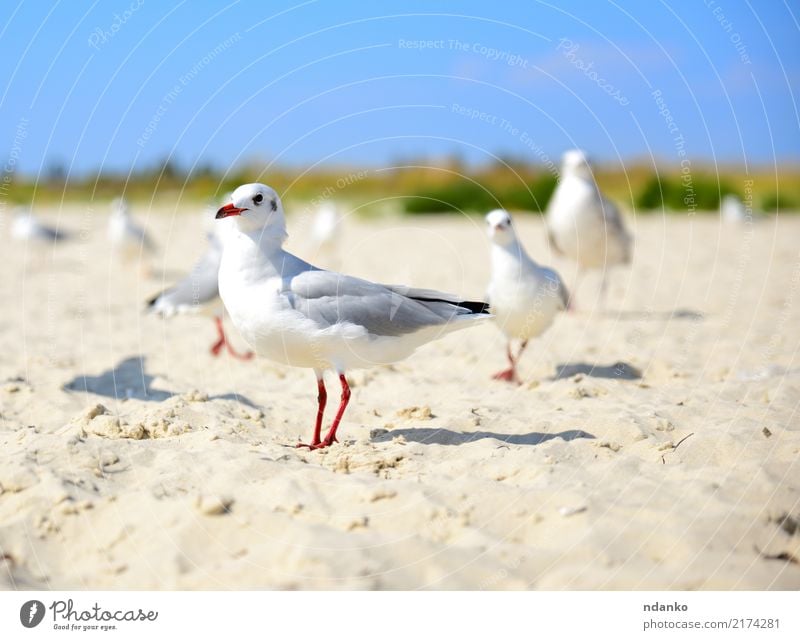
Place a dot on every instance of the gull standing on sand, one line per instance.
(26, 226)
(294, 313)
(582, 224)
(524, 297)
(199, 290)
(732, 209)
(126, 236)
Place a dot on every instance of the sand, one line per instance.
(655, 445)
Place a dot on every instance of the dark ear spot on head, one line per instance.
(274, 205)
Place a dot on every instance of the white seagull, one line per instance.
(124, 234)
(199, 290)
(524, 296)
(582, 224)
(26, 226)
(292, 312)
(732, 209)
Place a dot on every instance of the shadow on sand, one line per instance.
(129, 380)
(428, 435)
(616, 371)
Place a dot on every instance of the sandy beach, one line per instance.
(653, 445)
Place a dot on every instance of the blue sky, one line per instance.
(377, 84)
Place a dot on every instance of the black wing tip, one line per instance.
(151, 302)
(475, 307)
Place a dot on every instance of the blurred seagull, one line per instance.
(582, 224)
(733, 210)
(297, 314)
(127, 237)
(326, 227)
(524, 297)
(199, 290)
(26, 226)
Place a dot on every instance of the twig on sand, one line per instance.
(676, 446)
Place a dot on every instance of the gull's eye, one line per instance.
(258, 198)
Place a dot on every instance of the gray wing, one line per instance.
(135, 230)
(553, 242)
(615, 225)
(199, 287)
(557, 285)
(329, 298)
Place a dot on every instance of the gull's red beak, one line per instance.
(229, 210)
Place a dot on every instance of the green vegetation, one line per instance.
(464, 195)
(782, 201)
(421, 187)
(695, 192)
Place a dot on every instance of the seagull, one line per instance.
(582, 224)
(325, 228)
(734, 210)
(125, 235)
(26, 226)
(199, 290)
(524, 296)
(294, 313)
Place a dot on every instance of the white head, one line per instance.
(326, 222)
(24, 224)
(119, 207)
(575, 163)
(501, 228)
(257, 207)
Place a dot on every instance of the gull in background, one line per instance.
(326, 229)
(294, 313)
(199, 290)
(26, 226)
(582, 224)
(127, 238)
(524, 296)
(732, 209)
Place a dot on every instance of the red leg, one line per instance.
(510, 374)
(235, 354)
(331, 437)
(217, 346)
(222, 341)
(322, 398)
